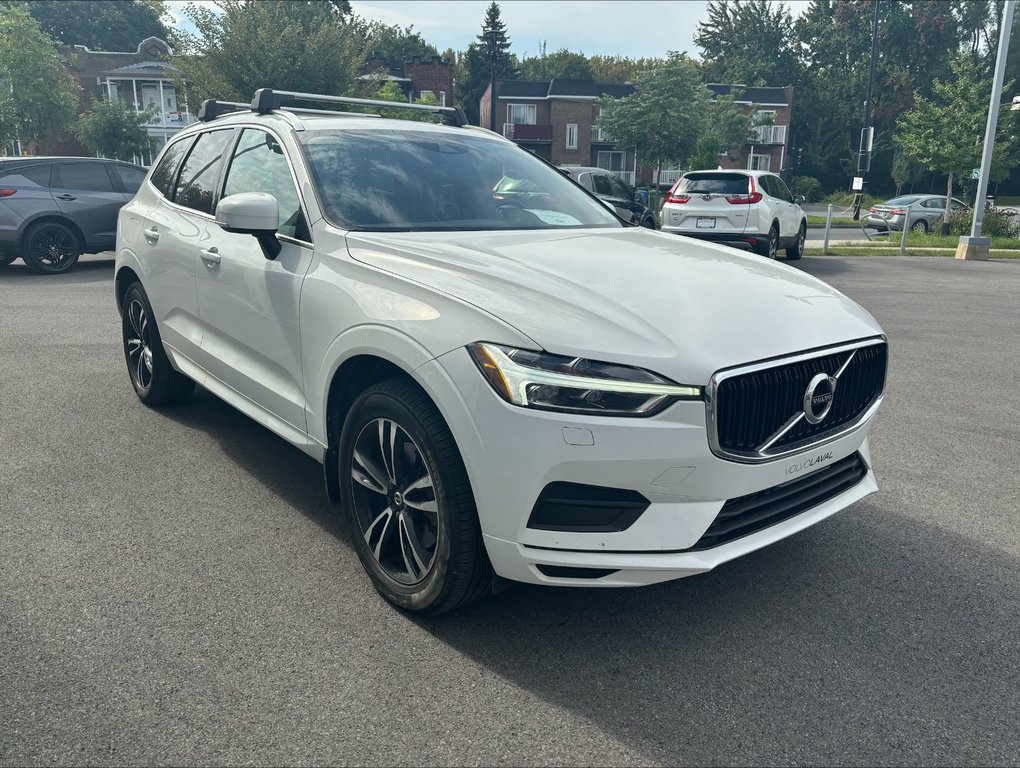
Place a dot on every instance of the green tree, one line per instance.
(113, 129)
(663, 119)
(39, 97)
(905, 170)
(748, 42)
(620, 69)
(395, 44)
(102, 25)
(478, 64)
(562, 63)
(294, 45)
(944, 133)
(726, 128)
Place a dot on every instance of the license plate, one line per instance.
(706, 223)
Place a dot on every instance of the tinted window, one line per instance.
(196, 186)
(905, 200)
(780, 189)
(601, 184)
(765, 185)
(88, 177)
(407, 179)
(938, 203)
(259, 165)
(26, 176)
(620, 189)
(165, 173)
(130, 178)
(717, 183)
(957, 205)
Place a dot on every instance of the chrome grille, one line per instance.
(756, 412)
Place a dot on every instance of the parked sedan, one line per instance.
(611, 188)
(925, 212)
(53, 209)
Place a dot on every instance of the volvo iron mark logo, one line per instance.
(818, 398)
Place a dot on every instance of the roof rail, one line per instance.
(266, 100)
(211, 109)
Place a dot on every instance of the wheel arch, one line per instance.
(122, 281)
(50, 218)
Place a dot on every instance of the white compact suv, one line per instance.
(748, 209)
(497, 384)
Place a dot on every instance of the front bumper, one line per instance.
(512, 454)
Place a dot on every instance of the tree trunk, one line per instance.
(949, 197)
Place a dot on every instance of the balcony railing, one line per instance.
(671, 176)
(527, 132)
(171, 120)
(627, 176)
(770, 134)
(599, 135)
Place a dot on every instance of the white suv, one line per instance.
(497, 384)
(744, 208)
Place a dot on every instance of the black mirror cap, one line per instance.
(267, 240)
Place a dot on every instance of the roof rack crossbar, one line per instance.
(266, 100)
(212, 108)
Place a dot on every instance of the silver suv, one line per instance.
(499, 376)
(745, 209)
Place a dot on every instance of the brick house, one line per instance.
(416, 77)
(142, 78)
(558, 120)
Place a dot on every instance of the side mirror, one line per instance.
(798, 199)
(608, 205)
(252, 213)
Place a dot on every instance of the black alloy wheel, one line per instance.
(153, 377)
(408, 501)
(772, 244)
(51, 248)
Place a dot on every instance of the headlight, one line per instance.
(575, 385)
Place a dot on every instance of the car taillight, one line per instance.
(872, 210)
(7, 192)
(754, 197)
(898, 211)
(681, 199)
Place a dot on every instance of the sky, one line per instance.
(633, 28)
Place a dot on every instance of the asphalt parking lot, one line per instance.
(175, 588)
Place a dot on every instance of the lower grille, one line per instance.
(747, 514)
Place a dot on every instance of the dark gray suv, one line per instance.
(53, 209)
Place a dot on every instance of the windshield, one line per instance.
(400, 180)
(713, 183)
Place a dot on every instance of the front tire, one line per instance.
(51, 248)
(408, 501)
(797, 250)
(154, 379)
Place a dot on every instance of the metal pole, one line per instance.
(862, 168)
(993, 117)
(828, 226)
(906, 229)
(492, 80)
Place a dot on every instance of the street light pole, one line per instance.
(492, 38)
(867, 132)
(975, 246)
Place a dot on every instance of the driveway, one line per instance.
(175, 589)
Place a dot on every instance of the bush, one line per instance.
(995, 224)
(809, 187)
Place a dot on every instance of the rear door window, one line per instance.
(196, 185)
(25, 176)
(86, 177)
(714, 183)
(780, 189)
(165, 174)
(620, 189)
(130, 177)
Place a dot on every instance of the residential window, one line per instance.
(571, 135)
(442, 98)
(759, 163)
(427, 95)
(612, 161)
(520, 114)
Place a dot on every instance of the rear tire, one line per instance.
(153, 377)
(797, 250)
(408, 501)
(919, 226)
(770, 248)
(51, 247)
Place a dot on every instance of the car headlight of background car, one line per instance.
(575, 385)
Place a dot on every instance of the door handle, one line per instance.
(66, 197)
(151, 235)
(210, 256)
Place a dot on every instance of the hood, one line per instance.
(679, 307)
